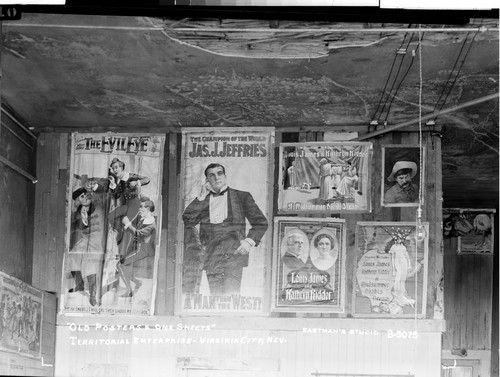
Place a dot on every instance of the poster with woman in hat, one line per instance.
(401, 175)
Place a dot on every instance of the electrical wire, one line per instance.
(388, 77)
(395, 78)
(459, 70)
(402, 80)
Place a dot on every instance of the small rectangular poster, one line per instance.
(324, 177)
(390, 274)
(402, 175)
(309, 265)
(21, 308)
(474, 229)
(224, 229)
(113, 224)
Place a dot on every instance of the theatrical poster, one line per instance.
(474, 229)
(325, 177)
(309, 265)
(113, 224)
(401, 175)
(21, 309)
(224, 229)
(390, 274)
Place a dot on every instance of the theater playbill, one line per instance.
(309, 265)
(324, 177)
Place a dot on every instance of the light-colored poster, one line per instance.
(309, 265)
(474, 229)
(225, 205)
(113, 224)
(390, 277)
(21, 310)
(325, 177)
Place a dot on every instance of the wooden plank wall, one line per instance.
(50, 211)
(467, 299)
(17, 147)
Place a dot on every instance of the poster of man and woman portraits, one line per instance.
(224, 227)
(322, 177)
(113, 223)
(391, 270)
(309, 265)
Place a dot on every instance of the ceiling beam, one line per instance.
(429, 116)
(317, 13)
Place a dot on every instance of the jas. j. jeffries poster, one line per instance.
(226, 194)
(114, 207)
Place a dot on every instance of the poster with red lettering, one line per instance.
(325, 177)
(113, 224)
(309, 265)
(224, 229)
(390, 277)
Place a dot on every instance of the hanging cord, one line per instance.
(419, 210)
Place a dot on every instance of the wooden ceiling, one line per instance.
(82, 72)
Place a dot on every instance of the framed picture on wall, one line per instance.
(474, 229)
(224, 227)
(401, 176)
(324, 177)
(309, 265)
(390, 271)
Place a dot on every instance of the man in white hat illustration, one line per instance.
(403, 191)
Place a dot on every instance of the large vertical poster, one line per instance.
(113, 228)
(21, 313)
(225, 202)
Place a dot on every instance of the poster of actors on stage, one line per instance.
(309, 265)
(391, 269)
(325, 177)
(113, 224)
(225, 205)
(473, 228)
(401, 175)
(21, 310)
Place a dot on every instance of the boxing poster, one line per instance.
(325, 177)
(390, 277)
(21, 313)
(309, 265)
(224, 226)
(113, 224)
